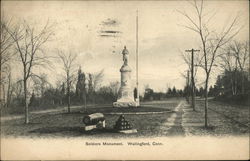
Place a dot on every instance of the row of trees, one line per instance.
(217, 48)
(231, 87)
(80, 92)
(150, 94)
(235, 65)
(233, 80)
(82, 89)
(27, 45)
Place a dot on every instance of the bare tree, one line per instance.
(115, 87)
(229, 63)
(235, 61)
(40, 83)
(29, 44)
(69, 67)
(18, 89)
(97, 79)
(9, 89)
(211, 40)
(241, 53)
(6, 42)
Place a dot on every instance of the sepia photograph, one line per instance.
(165, 79)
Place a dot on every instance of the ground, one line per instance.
(223, 119)
(171, 117)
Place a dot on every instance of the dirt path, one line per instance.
(190, 119)
(173, 125)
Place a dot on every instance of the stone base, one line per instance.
(89, 127)
(124, 104)
(130, 131)
(99, 125)
(137, 101)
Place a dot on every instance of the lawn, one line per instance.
(70, 124)
(219, 125)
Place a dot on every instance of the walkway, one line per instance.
(173, 125)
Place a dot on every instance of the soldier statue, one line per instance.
(125, 54)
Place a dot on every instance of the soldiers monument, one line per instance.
(125, 94)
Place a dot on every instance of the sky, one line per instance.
(79, 26)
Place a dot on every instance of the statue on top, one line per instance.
(125, 54)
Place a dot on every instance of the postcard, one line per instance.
(124, 80)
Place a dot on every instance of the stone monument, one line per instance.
(125, 94)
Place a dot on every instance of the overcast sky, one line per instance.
(79, 26)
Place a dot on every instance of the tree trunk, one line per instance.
(68, 94)
(235, 79)
(242, 83)
(232, 82)
(68, 101)
(85, 102)
(235, 85)
(206, 103)
(8, 91)
(193, 95)
(1, 88)
(3, 101)
(26, 101)
(232, 85)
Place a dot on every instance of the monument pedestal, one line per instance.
(124, 104)
(125, 94)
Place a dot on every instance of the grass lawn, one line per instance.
(70, 125)
(219, 125)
